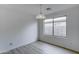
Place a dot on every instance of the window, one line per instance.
(60, 26)
(55, 27)
(47, 26)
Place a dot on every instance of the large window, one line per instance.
(56, 26)
(60, 26)
(47, 26)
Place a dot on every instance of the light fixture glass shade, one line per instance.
(40, 16)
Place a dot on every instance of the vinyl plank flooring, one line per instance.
(39, 47)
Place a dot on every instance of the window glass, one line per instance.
(60, 29)
(47, 27)
(60, 26)
(56, 29)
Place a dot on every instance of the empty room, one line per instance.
(39, 28)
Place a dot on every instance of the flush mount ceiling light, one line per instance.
(41, 15)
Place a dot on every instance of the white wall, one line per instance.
(72, 40)
(17, 28)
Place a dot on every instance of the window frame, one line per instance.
(61, 21)
(53, 26)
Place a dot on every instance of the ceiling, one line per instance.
(34, 9)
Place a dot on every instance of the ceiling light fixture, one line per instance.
(48, 9)
(41, 15)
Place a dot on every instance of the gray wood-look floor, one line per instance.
(39, 48)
